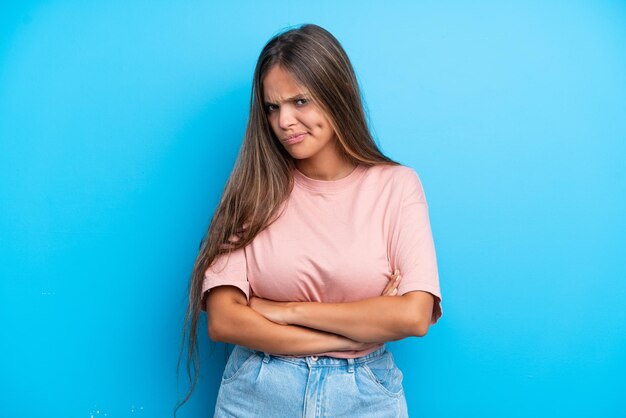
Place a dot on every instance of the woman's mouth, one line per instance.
(295, 139)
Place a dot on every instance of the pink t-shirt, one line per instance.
(340, 241)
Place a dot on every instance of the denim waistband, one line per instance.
(321, 360)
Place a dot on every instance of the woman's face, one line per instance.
(291, 112)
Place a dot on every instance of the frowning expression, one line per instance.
(297, 122)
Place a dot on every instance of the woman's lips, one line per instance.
(295, 139)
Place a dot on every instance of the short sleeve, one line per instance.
(414, 253)
(228, 269)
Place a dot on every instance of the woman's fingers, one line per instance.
(392, 286)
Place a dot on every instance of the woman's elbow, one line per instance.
(213, 332)
(422, 328)
(419, 328)
(420, 306)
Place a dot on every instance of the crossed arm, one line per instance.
(375, 319)
(306, 327)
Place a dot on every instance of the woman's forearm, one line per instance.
(239, 324)
(372, 320)
(379, 318)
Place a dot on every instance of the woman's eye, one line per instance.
(271, 107)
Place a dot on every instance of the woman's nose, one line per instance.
(286, 118)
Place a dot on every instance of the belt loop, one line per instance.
(350, 365)
(266, 357)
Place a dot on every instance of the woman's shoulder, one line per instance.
(398, 173)
(403, 180)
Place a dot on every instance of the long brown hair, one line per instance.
(261, 179)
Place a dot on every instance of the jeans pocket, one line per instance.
(384, 374)
(240, 358)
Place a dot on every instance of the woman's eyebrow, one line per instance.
(297, 96)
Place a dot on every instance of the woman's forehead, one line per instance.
(277, 99)
(280, 86)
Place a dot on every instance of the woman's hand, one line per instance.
(357, 345)
(392, 286)
(270, 309)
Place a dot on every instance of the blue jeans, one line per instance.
(258, 384)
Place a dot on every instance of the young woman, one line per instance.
(319, 251)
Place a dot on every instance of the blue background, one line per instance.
(120, 122)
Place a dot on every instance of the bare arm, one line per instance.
(378, 318)
(231, 320)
